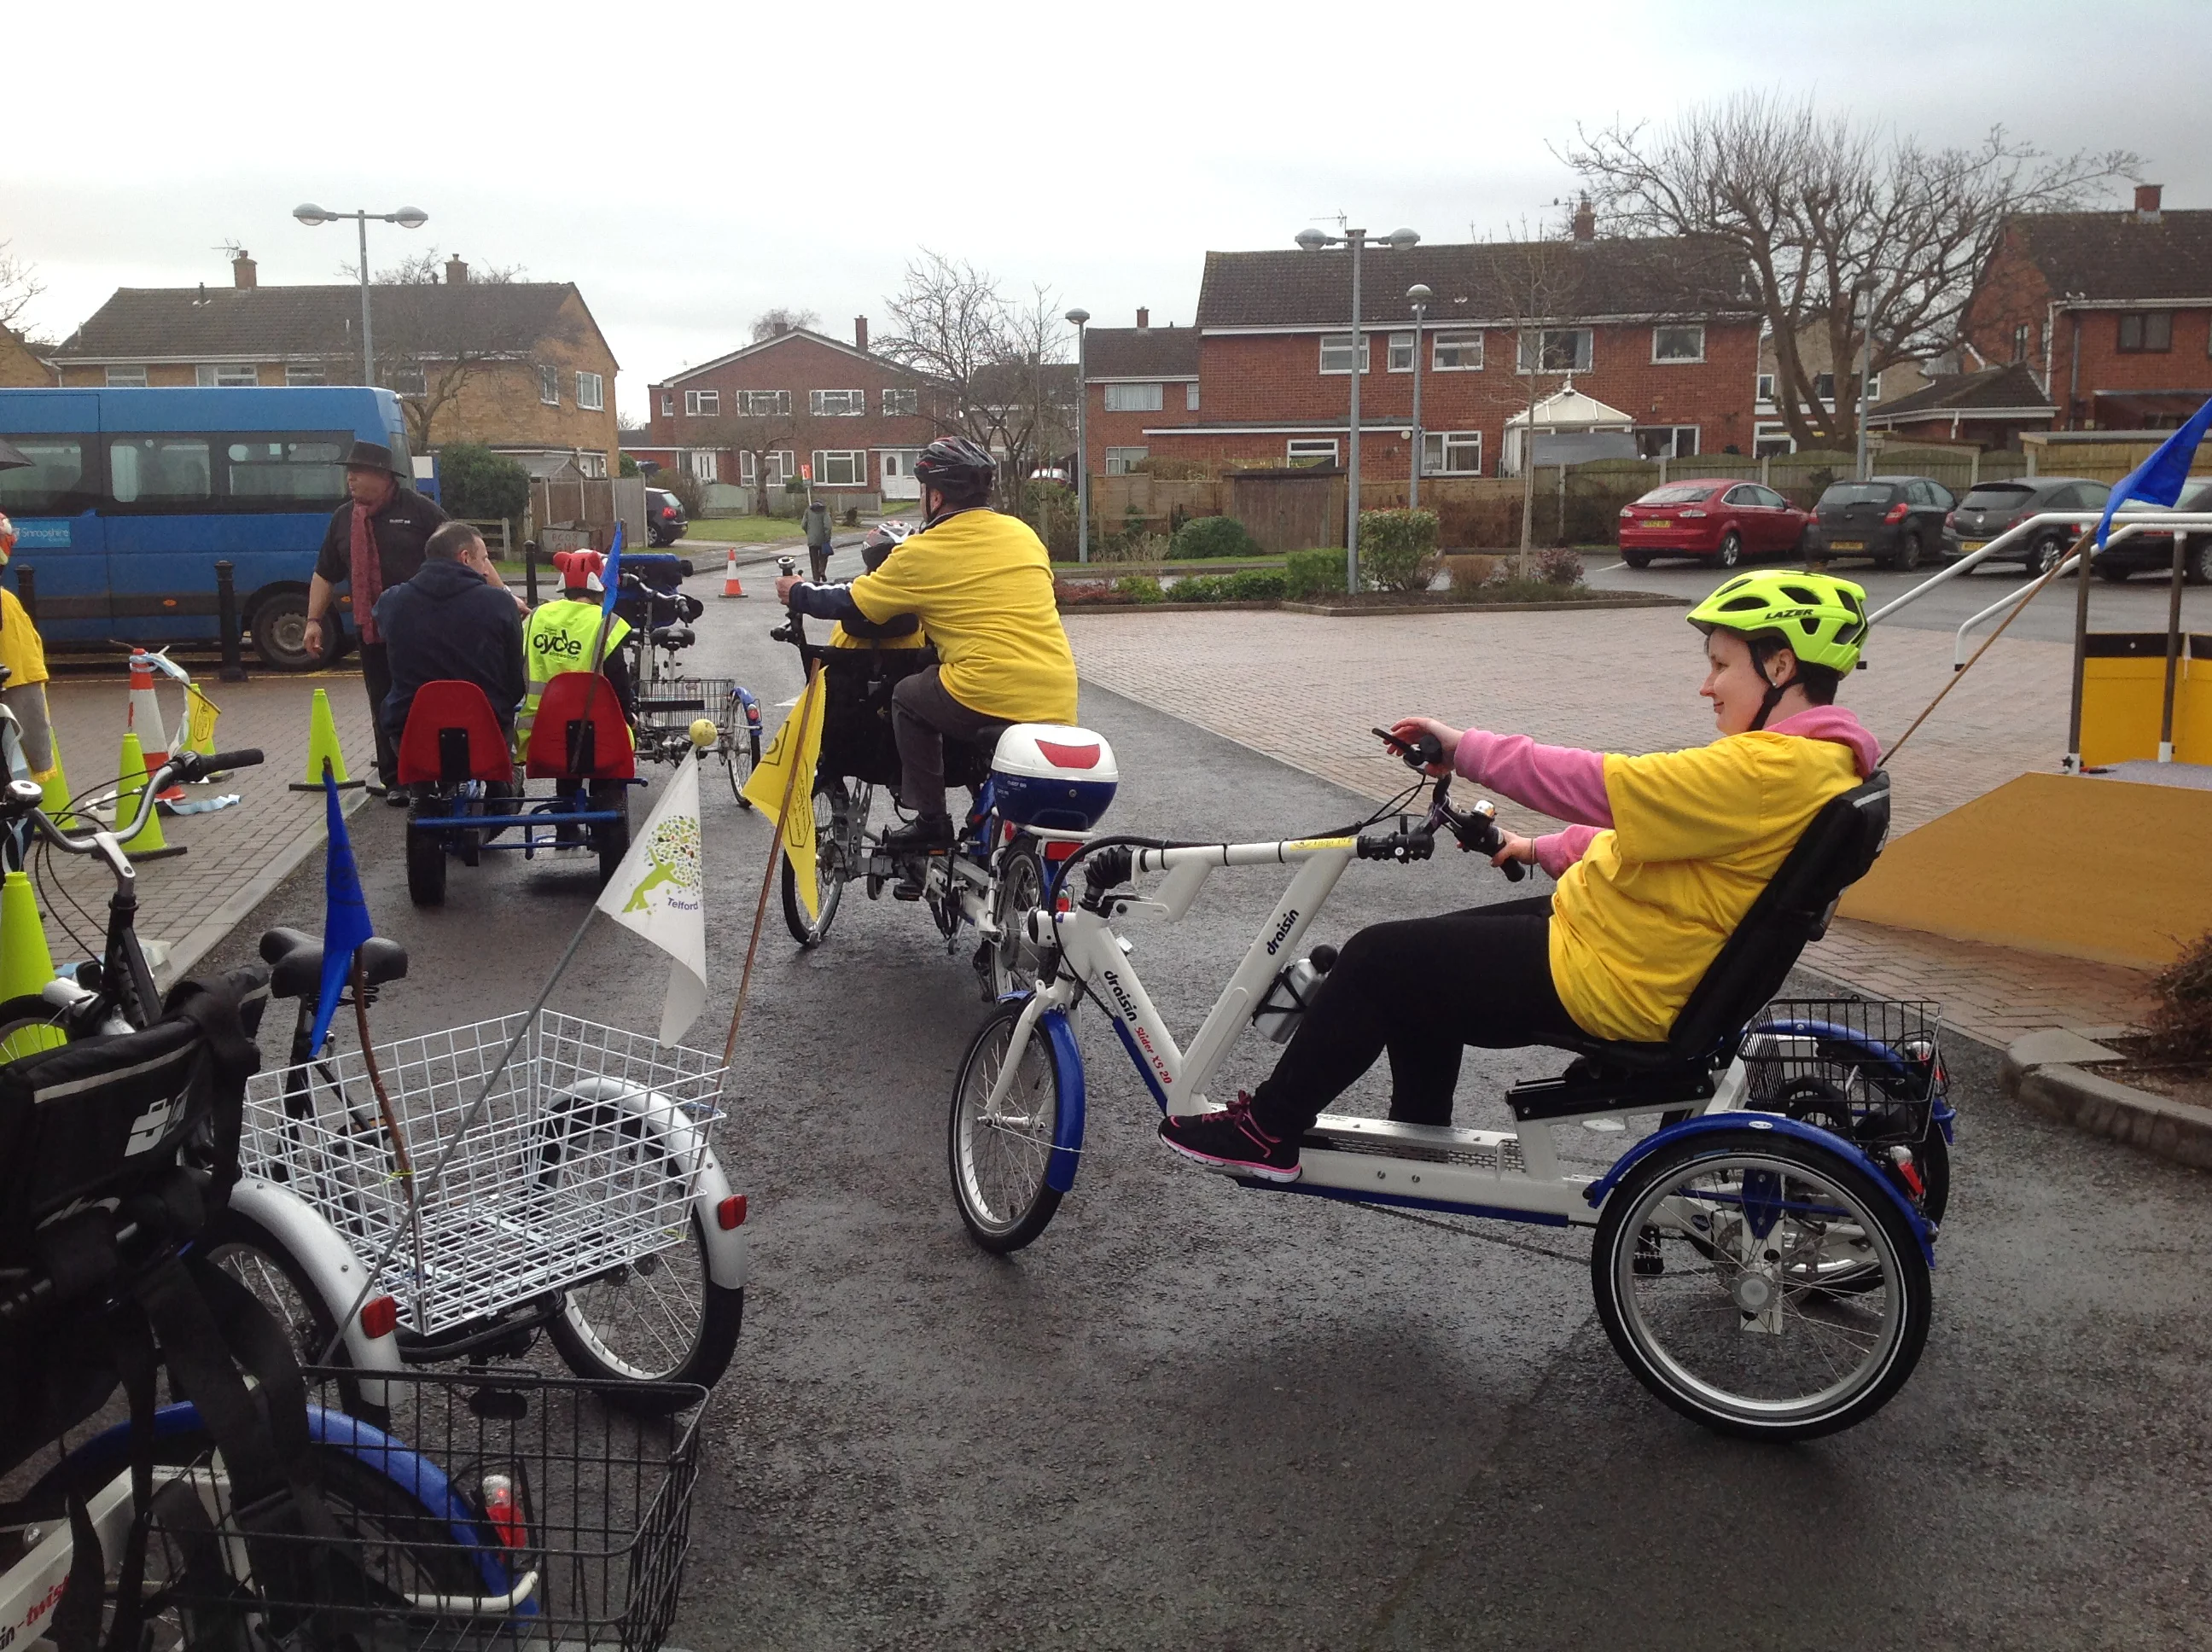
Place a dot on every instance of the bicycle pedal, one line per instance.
(906, 891)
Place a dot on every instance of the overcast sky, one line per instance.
(689, 165)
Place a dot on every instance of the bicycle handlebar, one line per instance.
(182, 766)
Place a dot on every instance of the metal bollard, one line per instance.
(27, 593)
(225, 611)
(529, 570)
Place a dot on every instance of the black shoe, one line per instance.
(923, 835)
(1231, 1141)
(395, 797)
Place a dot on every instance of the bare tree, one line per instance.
(1538, 281)
(19, 286)
(1825, 209)
(783, 319)
(432, 341)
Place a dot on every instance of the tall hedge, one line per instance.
(1311, 573)
(1397, 549)
(476, 483)
(1206, 536)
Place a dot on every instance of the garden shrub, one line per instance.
(1311, 573)
(475, 483)
(1203, 537)
(1140, 587)
(1470, 574)
(1257, 585)
(1561, 565)
(2180, 1025)
(1397, 549)
(1200, 587)
(1052, 514)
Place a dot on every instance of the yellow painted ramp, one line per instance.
(2087, 868)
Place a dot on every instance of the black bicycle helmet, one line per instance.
(956, 468)
(877, 547)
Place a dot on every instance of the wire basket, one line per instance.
(496, 1507)
(582, 1159)
(1869, 1069)
(673, 704)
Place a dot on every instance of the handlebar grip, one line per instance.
(1515, 870)
(245, 757)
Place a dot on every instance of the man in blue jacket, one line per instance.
(450, 621)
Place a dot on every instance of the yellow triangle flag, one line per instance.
(786, 770)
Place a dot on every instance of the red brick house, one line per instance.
(1135, 379)
(1987, 409)
(1665, 331)
(796, 399)
(2112, 310)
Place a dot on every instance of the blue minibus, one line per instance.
(133, 496)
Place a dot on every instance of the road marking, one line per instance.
(1609, 567)
(786, 705)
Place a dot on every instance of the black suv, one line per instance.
(665, 521)
(2153, 553)
(1992, 507)
(1892, 519)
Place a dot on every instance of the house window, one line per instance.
(1190, 397)
(1451, 452)
(782, 465)
(1121, 460)
(837, 404)
(840, 469)
(703, 403)
(747, 468)
(2019, 343)
(1678, 343)
(407, 379)
(1456, 352)
(1666, 441)
(126, 378)
(227, 374)
(1311, 448)
(1824, 389)
(667, 403)
(1399, 358)
(2146, 334)
(591, 392)
(1555, 350)
(1766, 390)
(704, 463)
(1768, 439)
(1336, 352)
(902, 404)
(297, 373)
(591, 462)
(1134, 399)
(763, 404)
(549, 384)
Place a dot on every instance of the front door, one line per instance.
(897, 464)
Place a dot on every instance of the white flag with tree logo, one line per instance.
(658, 891)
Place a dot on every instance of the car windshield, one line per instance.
(2007, 497)
(1857, 493)
(1676, 493)
(2197, 498)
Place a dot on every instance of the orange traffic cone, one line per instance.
(143, 718)
(731, 586)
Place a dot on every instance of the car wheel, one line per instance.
(1907, 557)
(1731, 550)
(1637, 558)
(2196, 561)
(2045, 554)
(279, 630)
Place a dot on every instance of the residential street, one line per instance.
(1189, 1416)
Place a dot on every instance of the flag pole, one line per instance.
(775, 853)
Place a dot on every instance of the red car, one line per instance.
(1720, 520)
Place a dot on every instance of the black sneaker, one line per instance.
(923, 835)
(395, 797)
(1231, 1139)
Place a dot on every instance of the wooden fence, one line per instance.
(583, 511)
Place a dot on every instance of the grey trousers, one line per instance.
(922, 714)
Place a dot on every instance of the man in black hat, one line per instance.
(374, 542)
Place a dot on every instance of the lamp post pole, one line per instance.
(1866, 365)
(1313, 240)
(1420, 295)
(406, 218)
(1080, 318)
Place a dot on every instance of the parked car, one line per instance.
(1895, 520)
(1719, 520)
(1990, 507)
(2153, 553)
(665, 521)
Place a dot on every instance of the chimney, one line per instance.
(1144, 320)
(456, 273)
(242, 277)
(860, 334)
(1585, 221)
(2147, 197)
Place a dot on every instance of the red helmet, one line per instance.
(7, 538)
(580, 570)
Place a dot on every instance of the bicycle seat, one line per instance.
(453, 735)
(674, 636)
(295, 961)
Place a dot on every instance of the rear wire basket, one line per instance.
(1868, 1069)
(494, 1509)
(672, 704)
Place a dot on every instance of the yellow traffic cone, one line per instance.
(322, 748)
(55, 785)
(149, 844)
(26, 965)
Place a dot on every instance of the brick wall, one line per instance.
(19, 367)
(1103, 429)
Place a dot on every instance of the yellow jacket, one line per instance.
(21, 650)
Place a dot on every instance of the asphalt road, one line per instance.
(1191, 1416)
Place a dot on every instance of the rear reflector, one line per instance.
(379, 1316)
(1061, 848)
(730, 1214)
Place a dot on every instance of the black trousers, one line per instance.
(376, 678)
(1422, 990)
(922, 716)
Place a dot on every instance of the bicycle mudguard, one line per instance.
(1067, 1129)
(1706, 1124)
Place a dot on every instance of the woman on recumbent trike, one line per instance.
(1665, 854)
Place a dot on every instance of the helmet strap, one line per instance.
(1774, 690)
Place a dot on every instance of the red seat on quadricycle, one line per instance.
(453, 735)
(579, 732)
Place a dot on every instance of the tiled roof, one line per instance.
(1141, 352)
(2011, 388)
(1484, 281)
(279, 323)
(2117, 255)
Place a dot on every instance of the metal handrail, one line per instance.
(2131, 524)
(2152, 520)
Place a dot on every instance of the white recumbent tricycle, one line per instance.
(1764, 1274)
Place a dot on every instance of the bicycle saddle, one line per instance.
(295, 961)
(674, 636)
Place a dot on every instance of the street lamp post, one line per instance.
(1866, 364)
(1079, 318)
(1418, 296)
(407, 217)
(1313, 240)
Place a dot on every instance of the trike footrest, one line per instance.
(1583, 1088)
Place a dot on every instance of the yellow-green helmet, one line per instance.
(1822, 620)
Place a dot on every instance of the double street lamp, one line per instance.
(407, 217)
(1417, 295)
(1313, 240)
(1079, 319)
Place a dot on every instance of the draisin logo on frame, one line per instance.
(1136, 1027)
(1288, 922)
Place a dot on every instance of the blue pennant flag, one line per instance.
(2160, 478)
(345, 917)
(611, 576)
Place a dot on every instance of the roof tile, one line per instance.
(2119, 255)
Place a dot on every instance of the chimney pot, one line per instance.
(242, 270)
(456, 273)
(1585, 221)
(860, 334)
(2147, 197)
(1144, 320)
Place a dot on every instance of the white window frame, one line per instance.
(1678, 361)
(1674, 439)
(1459, 340)
(304, 374)
(1447, 443)
(702, 404)
(748, 404)
(1310, 447)
(704, 463)
(1766, 431)
(855, 404)
(591, 462)
(667, 403)
(1341, 342)
(596, 385)
(858, 456)
(902, 403)
(1763, 390)
(548, 383)
(226, 375)
(1190, 397)
(126, 378)
(1585, 354)
(1135, 399)
(1406, 343)
(747, 468)
(782, 465)
(1119, 459)
(1829, 398)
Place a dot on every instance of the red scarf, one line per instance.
(368, 576)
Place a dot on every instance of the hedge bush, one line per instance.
(1257, 585)
(476, 483)
(1203, 537)
(1140, 587)
(1200, 587)
(1396, 549)
(1562, 565)
(1311, 573)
